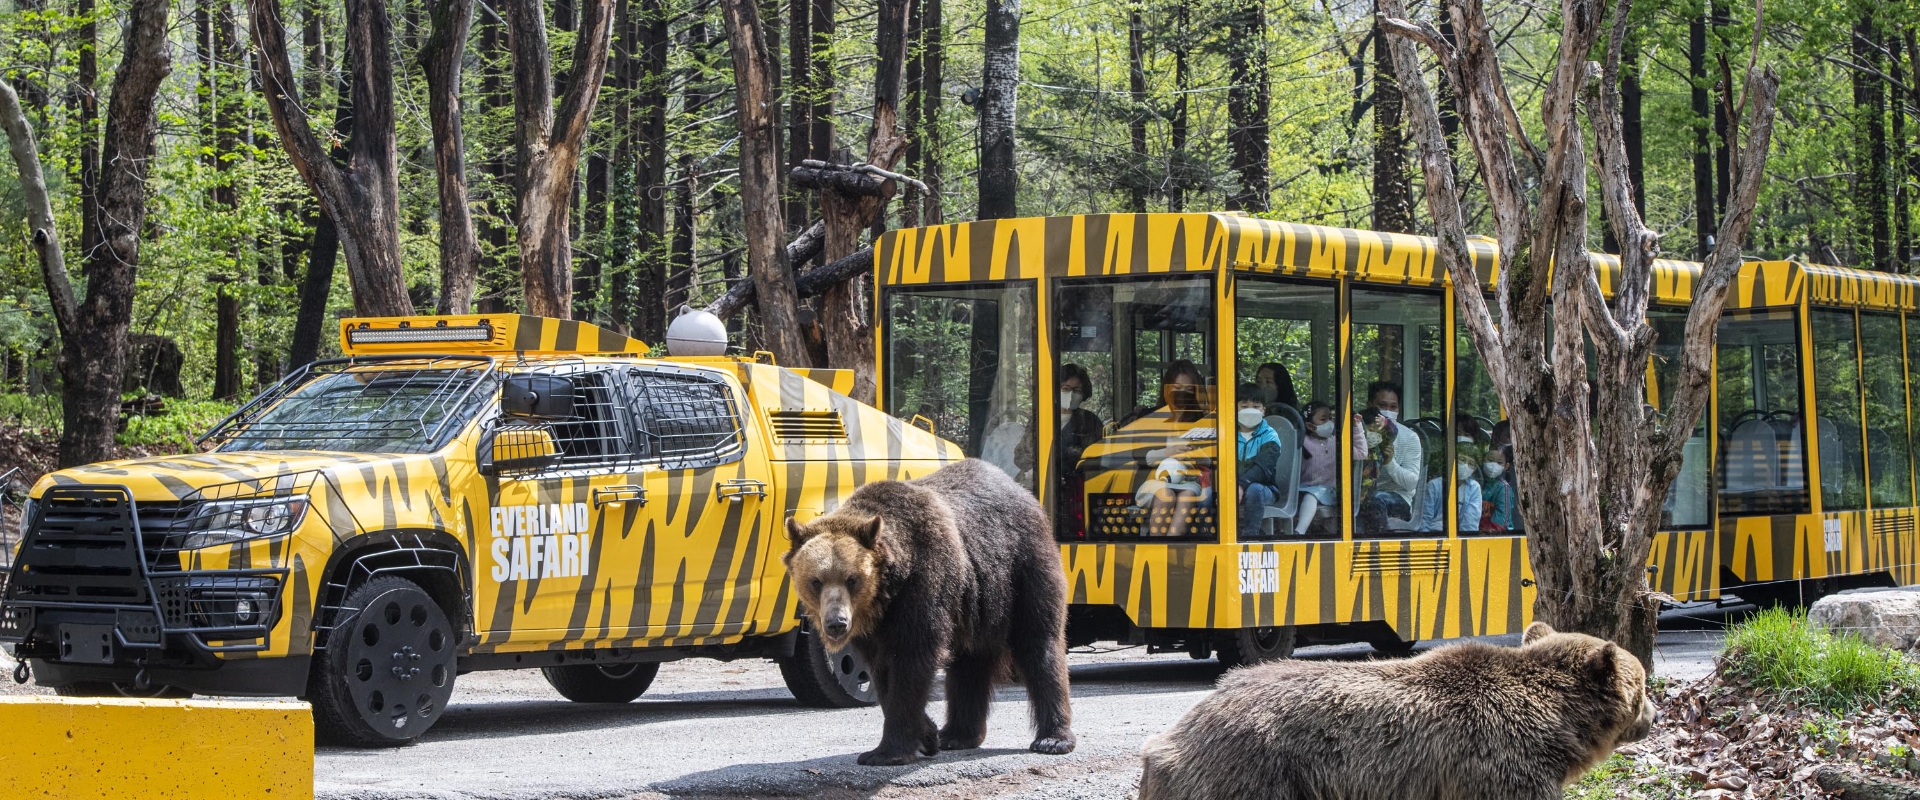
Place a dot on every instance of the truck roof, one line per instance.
(482, 334)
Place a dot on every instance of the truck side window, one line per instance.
(683, 418)
(592, 437)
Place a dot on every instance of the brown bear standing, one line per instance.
(1465, 722)
(959, 569)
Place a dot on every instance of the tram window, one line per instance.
(1284, 346)
(1138, 460)
(1762, 463)
(1476, 412)
(1689, 502)
(1884, 378)
(1399, 373)
(965, 359)
(1836, 406)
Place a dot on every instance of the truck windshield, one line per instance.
(388, 408)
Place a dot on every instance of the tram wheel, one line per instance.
(1255, 646)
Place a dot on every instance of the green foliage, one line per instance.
(172, 430)
(1782, 651)
(1623, 778)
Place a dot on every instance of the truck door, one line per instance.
(708, 513)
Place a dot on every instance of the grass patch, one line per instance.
(1780, 650)
(1623, 778)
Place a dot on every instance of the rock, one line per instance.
(1889, 618)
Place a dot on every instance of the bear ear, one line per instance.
(1603, 664)
(1536, 632)
(796, 534)
(868, 532)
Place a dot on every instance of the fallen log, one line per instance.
(810, 283)
(1852, 784)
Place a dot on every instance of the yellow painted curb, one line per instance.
(65, 747)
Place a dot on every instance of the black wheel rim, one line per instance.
(1270, 641)
(399, 663)
(853, 674)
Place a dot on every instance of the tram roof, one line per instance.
(1094, 245)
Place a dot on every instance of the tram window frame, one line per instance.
(1072, 519)
(1334, 526)
(1889, 464)
(1790, 493)
(1844, 488)
(1467, 363)
(1030, 471)
(1663, 370)
(1356, 390)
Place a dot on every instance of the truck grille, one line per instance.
(82, 546)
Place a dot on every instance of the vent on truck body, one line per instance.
(807, 425)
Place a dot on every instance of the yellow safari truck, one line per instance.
(458, 493)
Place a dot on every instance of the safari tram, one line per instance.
(1105, 361)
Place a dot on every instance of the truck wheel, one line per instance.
(387, 672)
(821, 679)
(1255, 646)
(601, 683)
(1392, 645)
(106, 689)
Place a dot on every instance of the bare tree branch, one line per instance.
(33, 183)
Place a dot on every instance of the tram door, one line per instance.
(1415, 457)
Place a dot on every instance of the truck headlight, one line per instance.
(225, 522)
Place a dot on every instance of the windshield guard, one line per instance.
(405, 404)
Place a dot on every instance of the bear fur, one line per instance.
(1466, 722)
(956, 569)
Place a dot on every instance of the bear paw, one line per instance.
(882, 757)
(1058, 744)
(954, 739)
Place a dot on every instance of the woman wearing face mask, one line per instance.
(1078, 426)
(1320, 463)
(1258, 454)
(1497, 494)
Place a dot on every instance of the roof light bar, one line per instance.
(437, 333)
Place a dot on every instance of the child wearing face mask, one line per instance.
(1258, 452)
(1497, 497)
(1320, 462)
(1433, 518)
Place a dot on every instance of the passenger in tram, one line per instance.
(1258, 453)
(1277, 383)
(1496, 494)
(1320, 463)
(1392, 475)
(1177, 487)
(1433, 518)
(1078, 426)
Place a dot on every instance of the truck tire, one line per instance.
(1255, 646)
(601, 683)
(388, 670)
(821, 679)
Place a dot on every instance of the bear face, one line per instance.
(836, 568)
(1623, 710)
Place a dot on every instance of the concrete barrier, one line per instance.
(61, 747)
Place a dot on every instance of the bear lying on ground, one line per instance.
(1465, 722)
(958, 568)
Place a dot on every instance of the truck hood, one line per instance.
(162, 478)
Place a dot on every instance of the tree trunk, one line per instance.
(1137, 114)
(758, 116)
(1590, 527)
(1897, 150)
(820, 139)
(1247, 104)
(94, 348)
(362, 197)
(800, 98)
(442, 59)
(1392, 180)
(548, 145)
(1177, 135)
(310, 321)
(1704, 215)
(1630, 129)
(651, 310)
(999, 92)
(226, 342)
(933, 38)
(87, 76)
(677, 273)
(1870, 150)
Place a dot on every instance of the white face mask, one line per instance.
(1466, 472)
(1070, 400)
(1493, 469)
(1463, 439)
(1250, 417)
(1392, 415)
(1324, 430)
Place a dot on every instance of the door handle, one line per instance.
(614, 495)
(739, 488)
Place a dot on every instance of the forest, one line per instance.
(615, 160)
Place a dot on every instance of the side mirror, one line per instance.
(516, 448)
(537, 396)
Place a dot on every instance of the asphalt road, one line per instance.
(711, 729)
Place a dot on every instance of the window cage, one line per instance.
(402, 404)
